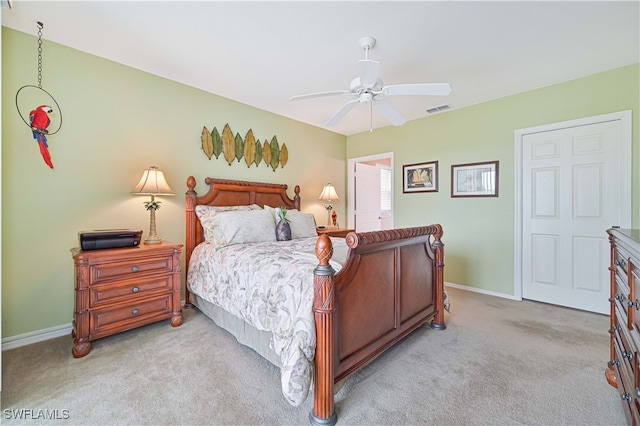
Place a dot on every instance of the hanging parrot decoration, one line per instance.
(39, 118)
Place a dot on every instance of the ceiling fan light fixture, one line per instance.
(368, 86)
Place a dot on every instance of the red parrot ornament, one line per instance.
(40, 120)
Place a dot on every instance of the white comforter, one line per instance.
(269, 285)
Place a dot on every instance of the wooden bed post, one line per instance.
(438, 321)
(323, 413)
(190, 237)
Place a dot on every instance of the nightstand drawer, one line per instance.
(129, 290)
(107, 271)
(129, 315)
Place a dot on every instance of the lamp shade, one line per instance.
(328, 193)
(152, 182)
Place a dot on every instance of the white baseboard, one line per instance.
(482, 291)
(36, 336)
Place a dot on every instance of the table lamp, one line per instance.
(152, 183)
(328, 194)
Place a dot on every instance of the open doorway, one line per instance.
(370, 189)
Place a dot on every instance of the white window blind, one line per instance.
(385, 189)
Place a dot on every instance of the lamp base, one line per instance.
(153, 236)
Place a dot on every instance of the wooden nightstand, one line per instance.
(123, 288)
(335, 232)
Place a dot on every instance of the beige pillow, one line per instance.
(207, 213)
(303, 225)
(242, 226)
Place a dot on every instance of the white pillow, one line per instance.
(242, 226)
(207, 213)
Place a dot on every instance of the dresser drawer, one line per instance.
(123, 317)
(624, 371)
(102, 272)
(621, 259)
(634, 302)
(627, 398)
(621, 299)
(129, 290)
(625, 351)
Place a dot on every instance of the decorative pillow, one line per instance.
(206, 214)
(242, 226)
(283, 227)
(302, 224)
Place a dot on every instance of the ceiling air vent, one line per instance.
(438, 109)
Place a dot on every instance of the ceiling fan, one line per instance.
(368, 87)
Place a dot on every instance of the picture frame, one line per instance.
(475, 179)
(420, 177)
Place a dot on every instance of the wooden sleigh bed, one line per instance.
(391, 282)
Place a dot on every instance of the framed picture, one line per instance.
(420, 177)
(474, 180)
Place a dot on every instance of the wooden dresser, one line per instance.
(123, 288)
(623, 369)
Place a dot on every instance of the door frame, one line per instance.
(351, 166)
(625, 175)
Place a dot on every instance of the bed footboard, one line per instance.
(391, 283)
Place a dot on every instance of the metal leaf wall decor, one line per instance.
(251, 149)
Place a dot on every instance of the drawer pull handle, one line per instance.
(619, 262)
(620, 297)
(135, 269)
(135, 289)
(637, 392)
(135, 312)
(627, 355)
(626, 397)
(614, 362)
(634, 303)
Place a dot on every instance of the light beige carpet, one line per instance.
(499, 362)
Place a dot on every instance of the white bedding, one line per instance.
(269, 285)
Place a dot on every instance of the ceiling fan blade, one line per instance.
(389, 112)
(369, 71)
(425, 89)
(320, 94)
(342, 112)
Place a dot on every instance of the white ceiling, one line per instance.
(262, 53)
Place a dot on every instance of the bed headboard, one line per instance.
(225, 192)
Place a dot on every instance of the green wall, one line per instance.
(479, 232)
(117, 121)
